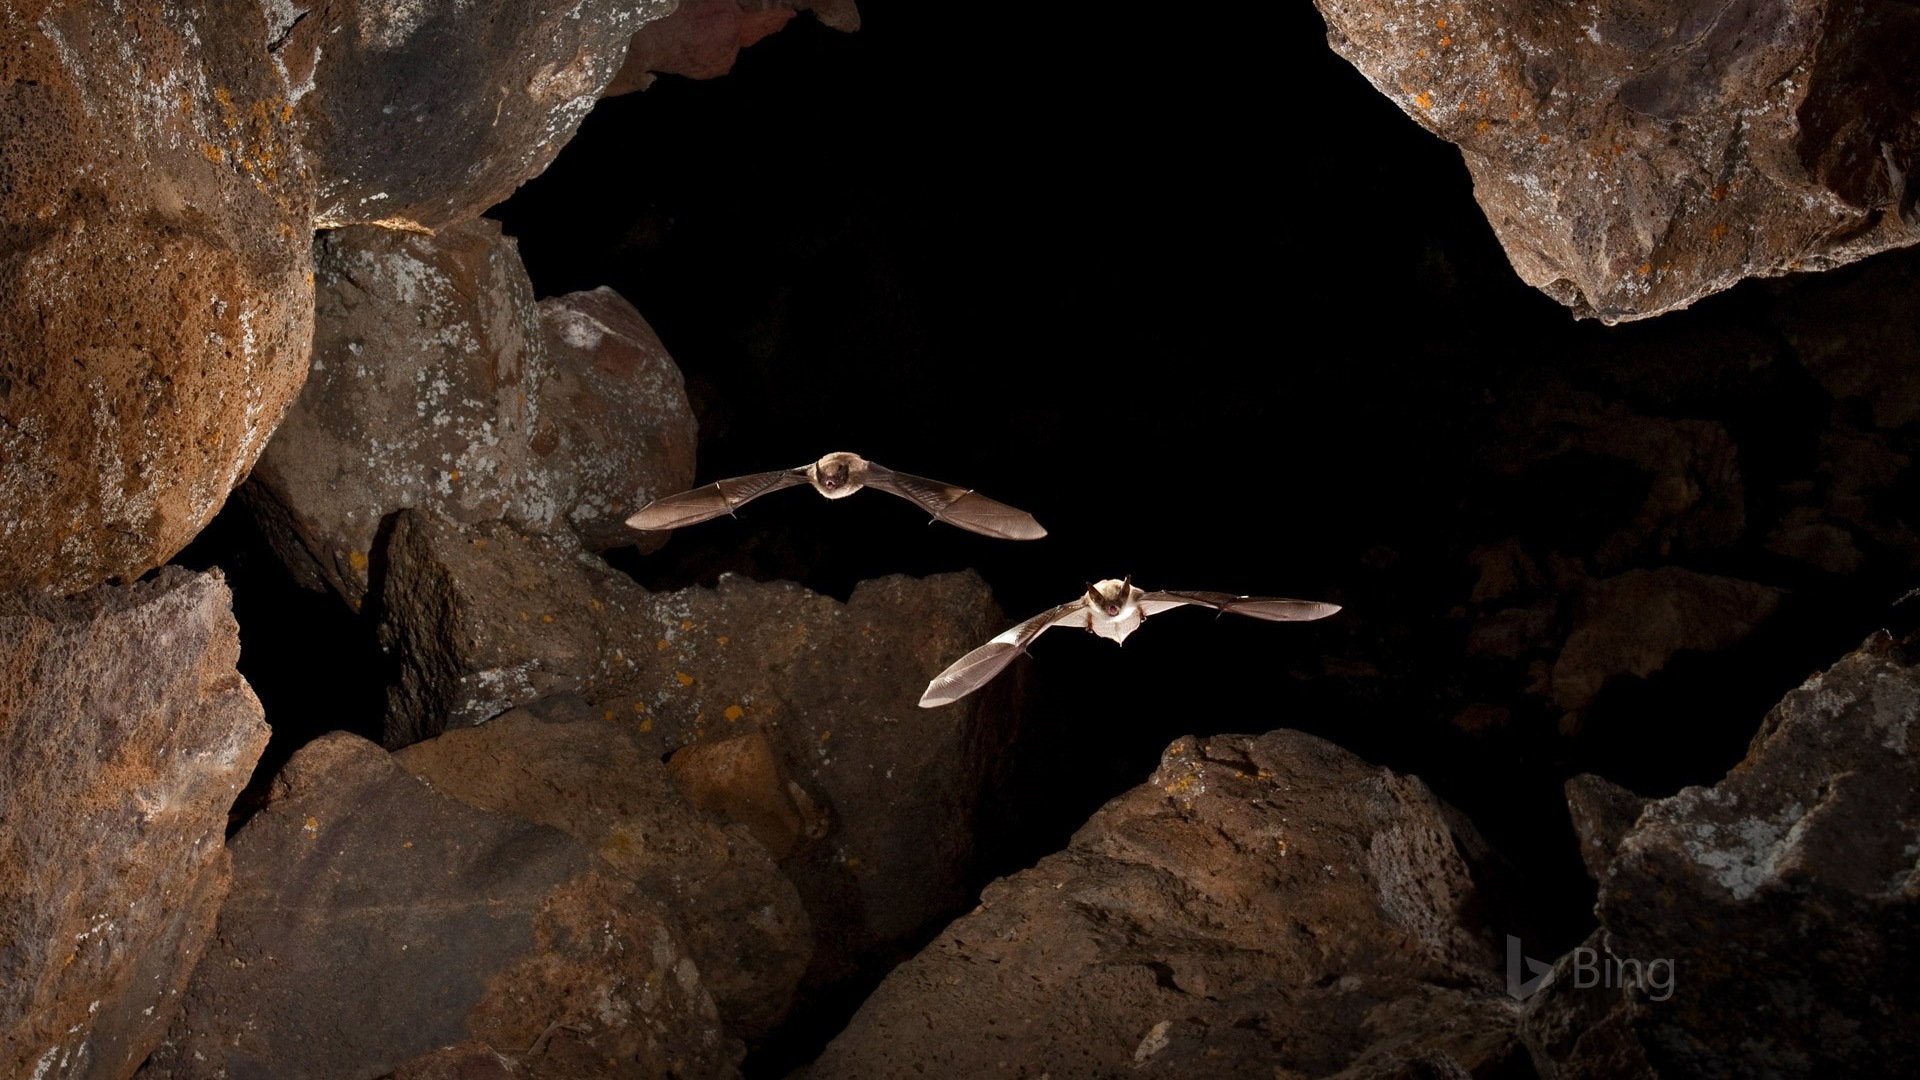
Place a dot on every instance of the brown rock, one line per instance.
(615, 429)
(702, 38)
(422, 116)
(1264, 906)
(1633, 623)
(431, 389)
(741, 780)
(125, 734)
(155, 301)
(560, 763)
(374, 922)
(1603, 812)
(1780, 902)
(1637, 156)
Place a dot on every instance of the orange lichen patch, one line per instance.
(686, 624)
(1423, 99)
(1420, 54)
(1514, 115)
(661, 645)
(357, 560)
(1446, 41)
(1719, 192)
(313, 826)
(825, 735)
(546, 618)
(639, 706)
(213, 153)
(1546, 138)
(683, 678)
(1441, 23)
(524, 617)
(1719, 230)
(646, 724)
(734, 713)
(607, 715)
(619, 656)
(1483, 125)
(594, 604)
(454, 475)
(1644, 269)
(1485, 97)
(721, 640)
(407, 844)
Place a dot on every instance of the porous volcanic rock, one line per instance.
(561, 763)
(485, 618)
(615, 429)
(155, 299)
(125, 734)
(431, 388)
(373, 922)
(421, 116)
(1783, 898)
(1263, 906)
(701, 39)
(1634, 157)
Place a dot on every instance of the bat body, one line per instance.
(1112, 609)
(837, 476)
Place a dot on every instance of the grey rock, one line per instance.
(1265, 905)
(125, 734)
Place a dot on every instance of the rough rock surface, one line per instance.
(1633, 623)
(1634, 157)
(420, 116)
(431, 388)
(155, 301)
(561, 763)
(702, 38)
(486, 619)
(615, 429)
(373, 922)
(1263, 906)
(125, 733)
(1783, 897)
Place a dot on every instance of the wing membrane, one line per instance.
(957, 506)
(707, 503)
(977, 668)
(1270, 608)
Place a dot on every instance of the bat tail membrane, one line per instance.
(969, 673)
(977, 513)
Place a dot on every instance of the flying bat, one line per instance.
(837, 476)
(1113, 609)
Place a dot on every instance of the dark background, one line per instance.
(1181, 283)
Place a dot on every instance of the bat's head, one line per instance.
(838, 475)
(1113, 598)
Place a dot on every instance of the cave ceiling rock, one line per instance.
(1634, 156)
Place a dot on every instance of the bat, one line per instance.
(1113, 609)
(837, 476)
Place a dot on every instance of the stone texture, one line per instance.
(155, 300)
(485, 618)
(562, 764)
(1633, 623)
(702, 38)
(433, 387)
(615, 428)
(419, 116)
(125, 735)
(1634, 157)
(1263, 906)
(373, 922)
(1784, 897)
(741, 780)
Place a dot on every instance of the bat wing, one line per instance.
(706, 503)
(957, 506)
(977, 668)
(1270, 608)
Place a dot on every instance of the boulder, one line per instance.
(1263, 906)
(1634, 623)
(156, 304)
(125, 735)
(1761, 926)
(562, 764)
(1640, 156)
(433, 387)
(420, 116)
(702, 38)
(377, 926)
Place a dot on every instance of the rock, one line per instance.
(615, 428)
(741, 780)
(702, 38)
(1859, 336)
(1781, 901)
(485, 619)
(420, 116)
(1642, 156)
(125, 735)
(155, 300)
(373, 922)
(560, 763)
(1265, 905)
(430, 379)
(1603, 812)
(1633, 623)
